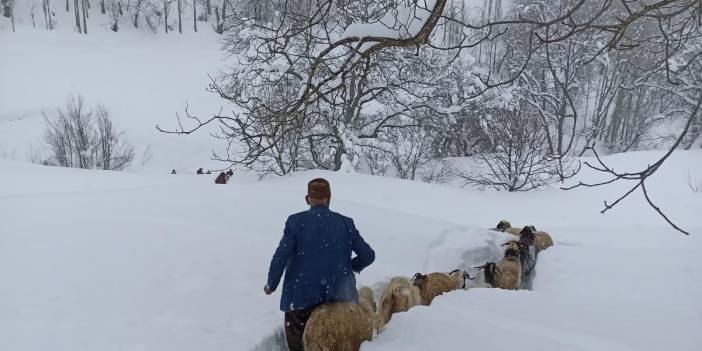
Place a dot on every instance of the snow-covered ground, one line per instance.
(143, 79)
(129, 261)
(144, 260)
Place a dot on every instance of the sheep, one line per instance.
(435, 284)
(199, 171)
(505, 274)
(505, 227)
(542, 240)
(527, 255)
(399, 296)
(341, 326)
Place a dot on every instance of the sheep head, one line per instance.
(527, 235)
(461, 277)
(515, 249)
(419, 280)
(490, 270)
(503, 225)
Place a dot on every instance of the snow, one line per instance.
(145, 260)
(402, 22)
(133, 261)
(143, 79)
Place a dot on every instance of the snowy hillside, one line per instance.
(143, 260)
(126, 261)
(143, 79)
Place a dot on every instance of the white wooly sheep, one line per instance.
(505, 227)
(342, 326)
(435, 284)
(399, 296)
(505, 274)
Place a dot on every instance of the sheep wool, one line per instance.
(341, 326)
(399, 296)
(435, 284)
(509, 273)
(505, 274)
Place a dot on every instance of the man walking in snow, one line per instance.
(315, 253)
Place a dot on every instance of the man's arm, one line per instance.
(364, 253)
(280, 258)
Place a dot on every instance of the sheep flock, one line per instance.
(345, 326)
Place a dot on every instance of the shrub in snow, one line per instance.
(341, 326)
(517, 157)
(694, 184)
(78, 137)
(399, 296)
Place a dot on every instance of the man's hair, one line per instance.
(318, 189)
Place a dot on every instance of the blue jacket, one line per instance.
(315, 253)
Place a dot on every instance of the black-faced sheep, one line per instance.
(505, 227)
(505, 274)
(399, 296)
(435, 284)
(342, 326)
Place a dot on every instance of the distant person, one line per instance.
(173, 172)
(315, 253)
(200, 171)
(221, 178)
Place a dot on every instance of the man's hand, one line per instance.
(267, 290)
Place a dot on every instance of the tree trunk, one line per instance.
(102, 7)
(165, 15)
(218, 26)
(694, 133)
(12, 14)
(180, 17)
(195, 15)
(67, 6)
(77, 11)
(85, 15)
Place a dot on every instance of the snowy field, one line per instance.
(146, 261)
(143, 79)
(127, 261)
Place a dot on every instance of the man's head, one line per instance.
(318, 192)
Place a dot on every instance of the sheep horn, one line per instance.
(467, 276)
(482, 267)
